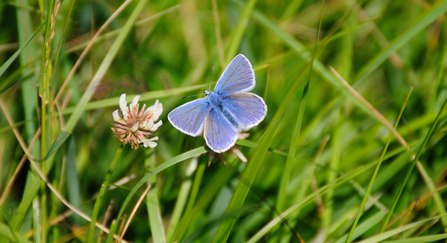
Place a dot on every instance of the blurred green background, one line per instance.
(325, 165)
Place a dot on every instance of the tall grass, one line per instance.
(326, 164)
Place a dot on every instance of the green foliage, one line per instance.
(326, 164)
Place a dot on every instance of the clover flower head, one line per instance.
(134, 126)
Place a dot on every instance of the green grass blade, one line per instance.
(113, 33)
(365, 226)
(5, 231)
(291, 9)
(207, 195)
(339, 181)
(73, 183)
(391, 233)
(28, 88)
(155, 219)
(16, 54)
(376, 171)
(60, 140)
(165, 165)
(151, 95)
(239, 31)
(318, 67)
(195, 187)
(195, 237)
(182, 197)
(410, 169)
(103, 68)
(420, 23)
(420, 239)
(102, 191)
(153, 203)
(15, 77)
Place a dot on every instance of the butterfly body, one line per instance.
(214, 99)
(226, 112)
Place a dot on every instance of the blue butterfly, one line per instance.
(226, 112)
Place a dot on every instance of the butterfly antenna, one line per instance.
(182, 97)
(211, 79)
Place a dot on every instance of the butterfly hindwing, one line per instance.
(247, 109)
(220, 134)
(238, 76)
(189, 118)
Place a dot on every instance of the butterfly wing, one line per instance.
(238, 76)
(247, 109)
(220, 134)
(189, 118)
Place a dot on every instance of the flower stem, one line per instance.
(98, 202)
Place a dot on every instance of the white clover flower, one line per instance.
(134, 126)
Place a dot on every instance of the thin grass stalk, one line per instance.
(331, 175)
(99, 200)
(18, 168)
(106, 218)
(296, 135)
(299, 121)
(219, 44)
(410, 169)
(208, 194)
(65, 202)
(423, 20)
(195, 187)
(115, 32)
(42, 175)
(10, 60)
(438, 200)
(61, 40)
(182, 198)
(37, 220)
(134, 210)
(339, 181)
(294, 141)
(44, 94)
(87, 48)
(291, 9)
(376, 171)
(103, 68)
(308, 174)
(161, 167)
(107, 61)
(382, 236)
(29, 99)
(155, 217)
(440, 75)
(153, 204)
(377, 115)
(240, 29)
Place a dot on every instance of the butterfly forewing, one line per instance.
(189, 118)
(238, 76)
(220, 135)
(247, 109)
